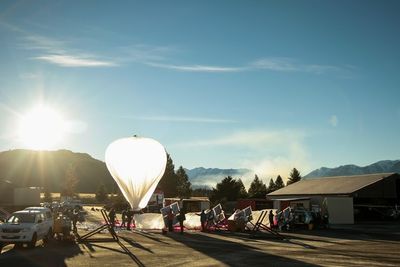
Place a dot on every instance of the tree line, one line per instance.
(177, 184)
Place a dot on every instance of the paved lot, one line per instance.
(352, 246)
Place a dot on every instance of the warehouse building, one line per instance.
(342, 197)
(18, 196)
(6, 192)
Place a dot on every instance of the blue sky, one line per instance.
(266, 85)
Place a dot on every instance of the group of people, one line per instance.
(67, 217)
(181, 218)
(205, 218)
(126, 218)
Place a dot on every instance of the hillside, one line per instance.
(48, 168)
(382, 166)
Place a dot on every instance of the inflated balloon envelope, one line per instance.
(137, 164)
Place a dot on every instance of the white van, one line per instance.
(26, 227)
(47, 211)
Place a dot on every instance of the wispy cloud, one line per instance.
(181, 119)
(29, 76)
(58, 51)
(196, 68)
(333, 120)
(142, 53)
(290, 65)
(163, 57)
(269, 64)
(39, 42)
(75, 61)
(256, 138)
(62, 53)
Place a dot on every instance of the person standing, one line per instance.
(123, 217)
(75, 215)
(203, 220)
(111, 215)
(182, 218)
(170, 219)
(129, 216)
(271, 219)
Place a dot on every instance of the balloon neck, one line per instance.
(135, 209)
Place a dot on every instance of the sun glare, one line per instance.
(41, 128)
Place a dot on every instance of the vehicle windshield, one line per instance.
(22, 218)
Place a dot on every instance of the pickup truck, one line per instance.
(26, 227)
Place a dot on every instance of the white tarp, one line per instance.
(155, 221)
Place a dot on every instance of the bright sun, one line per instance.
(41, 128)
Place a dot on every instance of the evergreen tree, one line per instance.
(294, 177)
(184, 186)
(201, 192)
(279, 183)
(271, 186)
(70, 182)
(169, 182)
(101, 193)
(228, 189)
(257, 188)
(241, 189)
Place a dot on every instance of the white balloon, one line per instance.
(137, 164)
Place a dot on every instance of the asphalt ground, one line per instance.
(374, 245)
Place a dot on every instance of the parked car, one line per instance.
(47, 211)
(3, 215)
(26, 227)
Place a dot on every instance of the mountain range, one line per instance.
(26, 168)
(377, 167)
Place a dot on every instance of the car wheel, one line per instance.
(32, 244)
(48, 237)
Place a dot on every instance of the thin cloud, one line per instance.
(38, 42)
(160, 57)
(290, 65)
(182, 119)
(270, 64)
(29, 76)
(196, 68)
(142, 53)
(333, 120)
(75, 61)
(56, 51)
(254, 139)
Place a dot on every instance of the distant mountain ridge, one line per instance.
(26, 168)
(377, 167)
(48, 168)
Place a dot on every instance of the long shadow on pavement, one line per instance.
(233, 253)
(54, 254)
(93, 243)
(353, 234)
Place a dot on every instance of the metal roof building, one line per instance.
(344, 194)
(6, 192)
